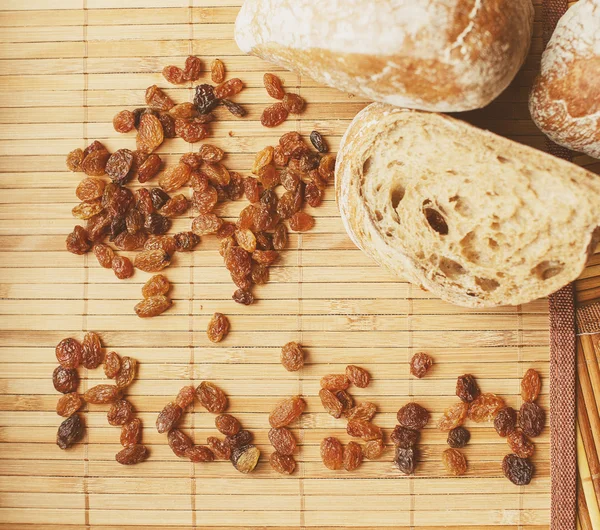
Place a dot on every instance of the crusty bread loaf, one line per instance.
(477, 219)
(565, 99)
(437, 55)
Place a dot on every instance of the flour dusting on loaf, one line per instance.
(438, 55)
(565, 99)
(475, 218)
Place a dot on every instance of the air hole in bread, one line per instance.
(548, 269)
(502, 159)
(389, 233)
(487, 284)
(378, 215)
(451, 269)
(492, 243)
(468, 246)
(495, 226)
(461, 205)
(366, 165)
(396, 195)
(435, 220)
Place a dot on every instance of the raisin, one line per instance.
(405, 438)
(184, 111)
(413, 416)
(282, 440)
(101, 394)
(263, 158)
(206, 200)
(308, 162)
(331, 403)
(301, 222)
(192, 68)
(264, 241)
(518, 470)
(156, 285)
(313, 195)
(93, 164)
(205, 99)
(120, 201)
(458, 437)
(453, 416)
(174, 75)
(120, 412)
(280, 237)
(287, 411)
(91, 351)
(77, 241)
(235, 189)
(245, 458)
(345, 399)
(69, 404)
(89, 189)
(124, 240)
(269, 176)
(127, 241)
(150, 133)
(283, 464)
(221, 449)
(217, 173)
(358, 376)
(273, 85)
(238, 261)
(274, 115)
(251, 189)
(158, 197)
(234, 108)
(168, 417)
(218, 327)
(293, 103)
(112, 364)
(211, 397)
(466, 388)
(199, 453)
(126, 373)
(65, 380)
(69, 432)
(531, 385)
(132, 454)
(152, 260)
(363, 411)
(75, 159)
(152, 306)
(373, 449)
(318, 141)
(532, 419)
(352, 457)
(209, 153)
(122, 267)
(134, 221)
(179, 442)
(280, 159)
(332, 453)
(406, 460)
(118, 165)
(87, 209)
(485, 407)
(290, 180)
(164, 243)
(288, 204)
(505, 421)
(207, 223)
(149, 168)
(239, 439)
(259, 274)
(191, 131)
(174, 179)
(217, 71)
(131, 433)
(327, 167)
(229, 88)
(124, 121)
(157, 224)
(98, 226)
(69, 353)
(244, 283)
(266, 257)
(335, 382)
(94, 146)
(363, 429)
(185, 241)
(292, 356)
(292, 144)
(420, 364)
(454, 462)
(227, 424)
(186, 396)
(157, 99)
(520, 444)
(168, 124)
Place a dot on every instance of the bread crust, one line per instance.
(565, 98)
(437, 55)
(542, 220)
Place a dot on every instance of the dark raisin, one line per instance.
(466, 388)
(159, 198)
(318, 141)
(518, 470)
(505, 421)
(132, 454)
(413, 416)
(69, 432)
(234, 108)
(405, 438)
(69, 353)
(65, 380)
(239, 439)
(458, 437)
(157, 224)
(406, 460)
(532, 419)
(245, 458)
(205, 99)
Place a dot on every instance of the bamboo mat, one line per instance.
(66, 71)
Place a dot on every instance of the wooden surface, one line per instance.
(65, 71)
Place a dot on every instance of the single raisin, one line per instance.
(259, 274)
(174, 75)
(228, 425)
(152, 260)
(191, 131)
(199, 453)
(531, 384)
(150, 133)
(313, 194)
(98, 226)
(373, 449)
(532, 419)
(234, 108)
(273, 85)
(112, 364)
(458, 437)
(186, 396)
(69, 404)
(207, 223)
(345, 399)
(287, 411)
(218, 327)
(280, 158)
(206, 200)
(331, 403)
(292, 357)
(157, 224)
(453, 416)
(239, 439)
(179, 442)
(87, 209)
(75, 159)
(132, 454)
(156, 285)
(101, 394)
(168, 124)
(301, 222)
(520, 444)
(274, 115)
(120, 412)
(246, 239)
(405, 438)
(406, 460)
(161, 242)
(192, 68)
(94, 146)
(184, 111)
(149, 168)
(229, 88)
(283, 464)
(251, 189)
(93, 164)
(263, 158)
(217, 71)
(69, 353)
(65, 380)
(413, 416)
(505, 421)
(91, 351)
(280, 237)
(221, 449)
(69, 432)
(245, 458)
(264, 241)
(335, 382)
(211, 397)
(186, 241)
(318, 141)
(168, 417)
(466, 388)
(134, 221)
(358, 376)
(363, 429)
(118, 165)
(210, 153)
(126, 373)
(152, 306)
(131, 433)
(205, 99)
(124, 121)
(90, 188)
(282, 440)
(485, 407)
(158, 197)
(78, 242)
(363, 411)
(332, 453)
(420, 364)
(454, 462)
(293, 103)
(157, 99)
(518, 470)
(266, 257)
(122, 267)
(175, 178)
(352, 457)
(127, 241)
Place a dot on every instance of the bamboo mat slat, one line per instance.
(65, 69)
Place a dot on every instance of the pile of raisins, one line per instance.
(70, 355)
(236, 446)
(412, 418)
(285, 412)
(155, 292)
(289, 103)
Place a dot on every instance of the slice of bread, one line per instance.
(474, 218)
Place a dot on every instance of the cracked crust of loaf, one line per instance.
(437, 55)
(477, 219)
(565, 98)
